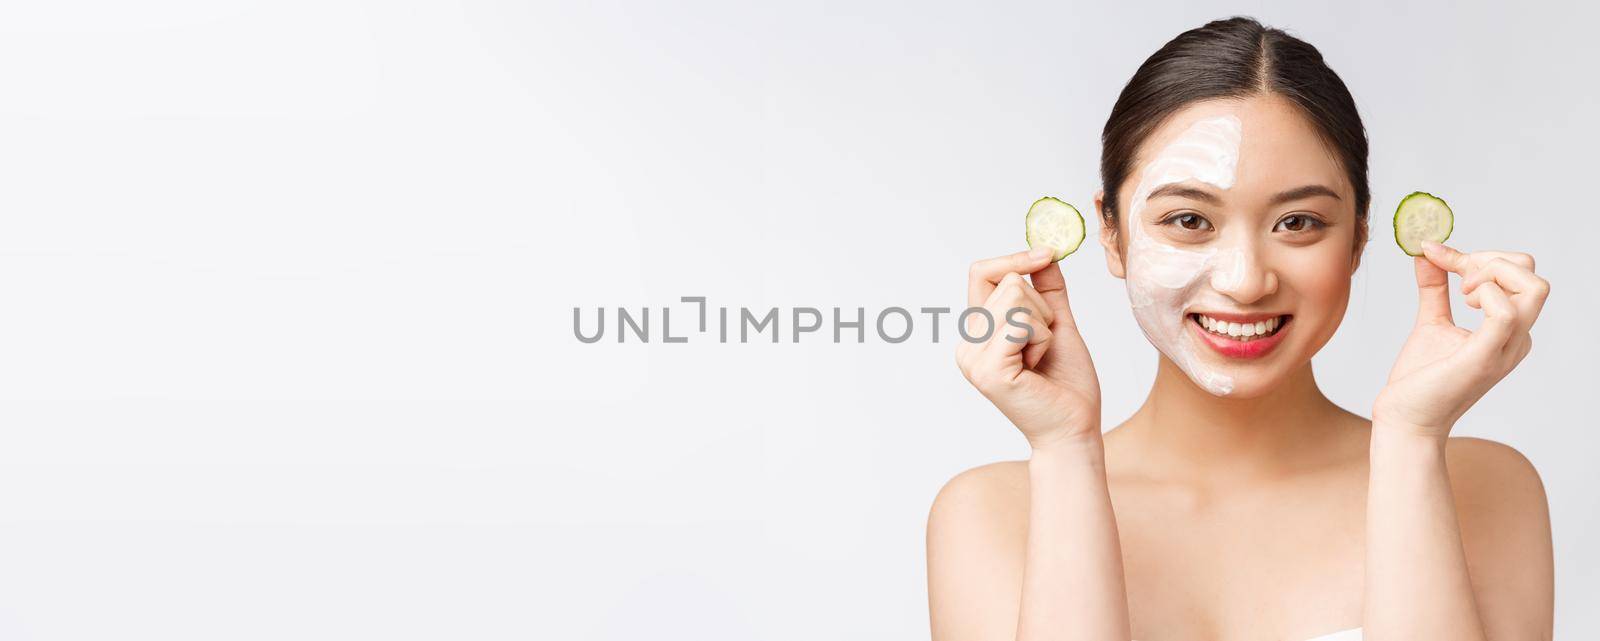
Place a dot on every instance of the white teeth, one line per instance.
(1239, 330)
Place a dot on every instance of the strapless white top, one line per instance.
(1353, 634)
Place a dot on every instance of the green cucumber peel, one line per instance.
(1422, 216)
(1056, 224)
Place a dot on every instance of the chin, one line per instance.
(1251, 382)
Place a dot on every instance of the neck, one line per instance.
(1184, 432)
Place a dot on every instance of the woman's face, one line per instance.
(1237, 241)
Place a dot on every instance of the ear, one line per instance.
(1361, 247)
(1108, 236)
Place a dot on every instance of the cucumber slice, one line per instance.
(1422, 216)
(1055, 224)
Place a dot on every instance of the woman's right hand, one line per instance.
(1046, 385)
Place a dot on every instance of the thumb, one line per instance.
(1433, 291)
(1052, 287)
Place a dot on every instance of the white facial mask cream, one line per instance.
(1164, 280)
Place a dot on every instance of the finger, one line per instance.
(1005, 338)
(1035, 350)
(1018, 333)
(1036, 301)
(1513, 278)
(1014, 331)
(1052, 286)
(994, 299)
(1527, 290)
(1446, 257)
(1004, 351)
(1433, 291)
(1017, 309)
(1515, 258)
(1014, 291)
(1499, 322)
(985, 275)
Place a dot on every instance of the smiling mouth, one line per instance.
(1241, 332)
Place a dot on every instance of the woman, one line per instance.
(1234, 205)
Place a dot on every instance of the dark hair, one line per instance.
(1233, 58)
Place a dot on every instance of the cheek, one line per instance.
(1320, 278)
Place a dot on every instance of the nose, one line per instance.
(1242, 274)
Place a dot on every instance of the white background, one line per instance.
(286, 345)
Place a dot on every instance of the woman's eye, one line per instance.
(1297, 223)
(1192, 222)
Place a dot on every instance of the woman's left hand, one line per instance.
(1443, 369)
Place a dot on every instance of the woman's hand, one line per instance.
(1443, 369)
(1045, 384)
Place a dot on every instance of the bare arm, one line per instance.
(1073, 586)
(1063, 579)
(1483, 571)
(1417, 586)
(1430, 573)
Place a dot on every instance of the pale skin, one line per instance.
(1270, 513)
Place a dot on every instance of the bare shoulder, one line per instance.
(1500, 499)
(977, 540)
(981, 513)
(993, 495)
(1505, 536)
(1490, 475)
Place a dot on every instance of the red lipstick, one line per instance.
(1233, 347)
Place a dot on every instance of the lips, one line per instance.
(1240, 336)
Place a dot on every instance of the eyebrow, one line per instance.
(1302, 193)
(1179, 190)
